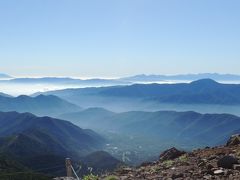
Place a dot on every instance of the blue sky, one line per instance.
(112, 38)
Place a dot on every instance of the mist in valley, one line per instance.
(16, 89)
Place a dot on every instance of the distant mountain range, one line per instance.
(66, 81)
(205, 91)
(190, 127)
(119, 81)
(39, 105)
(136, 78)
(182, 77)
(30, 85)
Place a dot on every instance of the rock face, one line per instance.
(171, 154)
(234, 140)
(227, 162)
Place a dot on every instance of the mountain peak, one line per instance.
(204, 82)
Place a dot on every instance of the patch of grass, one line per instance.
(183, 158)
(168, 163)
(90, 177)
(155, 169)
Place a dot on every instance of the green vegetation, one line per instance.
(13, 170)
(156, 169)
(183, 158)
(168, 163)
(111, 178)
(90, 177)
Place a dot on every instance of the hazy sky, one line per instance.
(111, 38)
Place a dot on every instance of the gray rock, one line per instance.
(227, 162)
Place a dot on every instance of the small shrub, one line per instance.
(157, 169)
(183, 158)
(90, 177)
(168, 163)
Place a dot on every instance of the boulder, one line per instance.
(171, 154)
(234, 140)
(227, 162)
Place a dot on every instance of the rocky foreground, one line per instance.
(221, 162)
